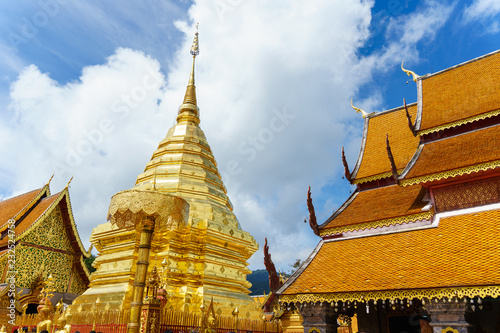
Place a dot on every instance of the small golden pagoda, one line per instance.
(206, 258)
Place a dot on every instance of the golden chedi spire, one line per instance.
(189, 111)
(207, 257)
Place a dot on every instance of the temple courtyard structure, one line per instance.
(416, 247)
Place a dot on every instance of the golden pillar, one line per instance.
(142, 263)
(153, 214)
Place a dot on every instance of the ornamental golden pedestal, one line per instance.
(205, 258)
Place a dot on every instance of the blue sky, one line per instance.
(65, 64)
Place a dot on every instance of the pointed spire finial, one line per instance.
(67, 185)
(408, 72)
(189, 110)
(358, 110)
(48, 183)
(195, 49)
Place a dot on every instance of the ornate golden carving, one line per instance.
(451, 173)
(460, 292)
(45, 322)
(408, 72)
(374, 177)
(461, 122)
(358, 110)
(129, 208)
(449, 330)
(376, 224)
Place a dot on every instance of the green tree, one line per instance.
(295, 266)
(88, 262)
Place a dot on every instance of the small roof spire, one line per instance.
(189, 110)
(195, 50)
(408, 72)
(358, 110)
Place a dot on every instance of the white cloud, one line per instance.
(403, 33)
(482, 8)
(274, 81)
(484, 12)
(92, 128)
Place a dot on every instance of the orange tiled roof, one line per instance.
(403, 143)
(462, 92)
(462, 251)
(381, 203)
(457, 152)
(32, 216)
(11, 207)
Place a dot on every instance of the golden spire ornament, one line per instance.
(408, 72)
(358, 110)
(189, 110)
(195, 49)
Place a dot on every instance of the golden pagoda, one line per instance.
(203, 259)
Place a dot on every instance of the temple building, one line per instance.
(205, 259)
(416, 247)
(38, 239)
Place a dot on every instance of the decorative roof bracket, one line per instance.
(410, 124)
(408, 72)
(358, 110)
(312, 215)
(346, 167)
(391, 159)
(274, 280)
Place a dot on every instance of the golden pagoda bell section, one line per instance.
(205, 259)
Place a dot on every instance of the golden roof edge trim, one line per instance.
(360, 296)
(85, 253)
(378, 223)
(457, 123)
(451, 173)
(372, 178)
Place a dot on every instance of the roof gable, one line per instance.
(16, 207)
(462, 154)
(459, 93)
(378, 204)
(373, 162)
(43, 208)
(376, 263)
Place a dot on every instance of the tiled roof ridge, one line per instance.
(364, 139)
(301, 292)
(301, 269)
(423, 77)
(473, 166)
(44, 190)
(340, 209)
(21, 194)
(381, 113)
